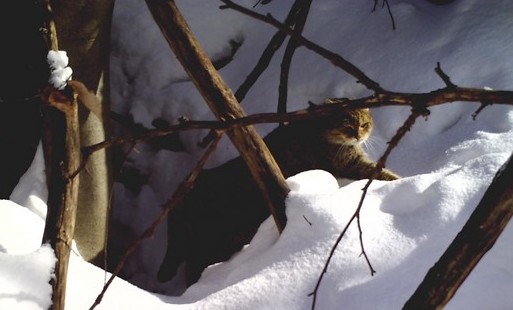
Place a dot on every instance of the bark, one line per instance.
(223, 103)
(62, 123)
(476, 238)
(83, 29)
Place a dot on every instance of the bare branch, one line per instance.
(185, 187)
(289, 53)
(337, 105)
(444, 76)
(362, 245)
(477, 237)
(381, 164)
(483, 105)
(224, 105)
(401, 132)
(265, 59)
(385, 3)
(334, 58)
(62, 159)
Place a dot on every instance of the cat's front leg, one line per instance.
(387, 175)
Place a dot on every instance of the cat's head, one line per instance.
(351, 127)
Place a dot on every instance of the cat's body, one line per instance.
(226, 208)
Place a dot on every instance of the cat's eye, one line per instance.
(364, 125)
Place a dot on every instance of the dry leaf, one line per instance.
(88, 99)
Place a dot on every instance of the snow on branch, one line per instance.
(60, 73)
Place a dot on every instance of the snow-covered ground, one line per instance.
(447, 162)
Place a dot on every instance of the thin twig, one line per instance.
(292, 45)
(483, 105)
(444, 76)
(222, 102)
(184, 188)
(385, 3)
(265, 59)
(360, 236)
(334, 58)
(330, 256)
(401, 131)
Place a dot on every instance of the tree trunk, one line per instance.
(83, 30)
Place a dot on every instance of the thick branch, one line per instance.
(61, 120)
(478, 236)
(223, 103)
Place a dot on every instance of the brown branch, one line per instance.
(360, 237)
(63, 158)
(61, 147)
(477, 237)
(224, 105)
(483, 105)
(385, 3)
(330, 256)
(183, 190)
(336, 105)
(401, 131)
(292, 45)
(265, 59)
(334, 58)
(444, 76)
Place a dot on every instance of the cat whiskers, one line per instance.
(339, 150)
(370, 144)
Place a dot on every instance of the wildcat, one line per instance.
(225, 208)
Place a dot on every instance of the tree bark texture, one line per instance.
(83, 30)
(478, 236)
(63, 192)
(224, 105)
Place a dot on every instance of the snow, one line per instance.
(60, 72)
(447, 160)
